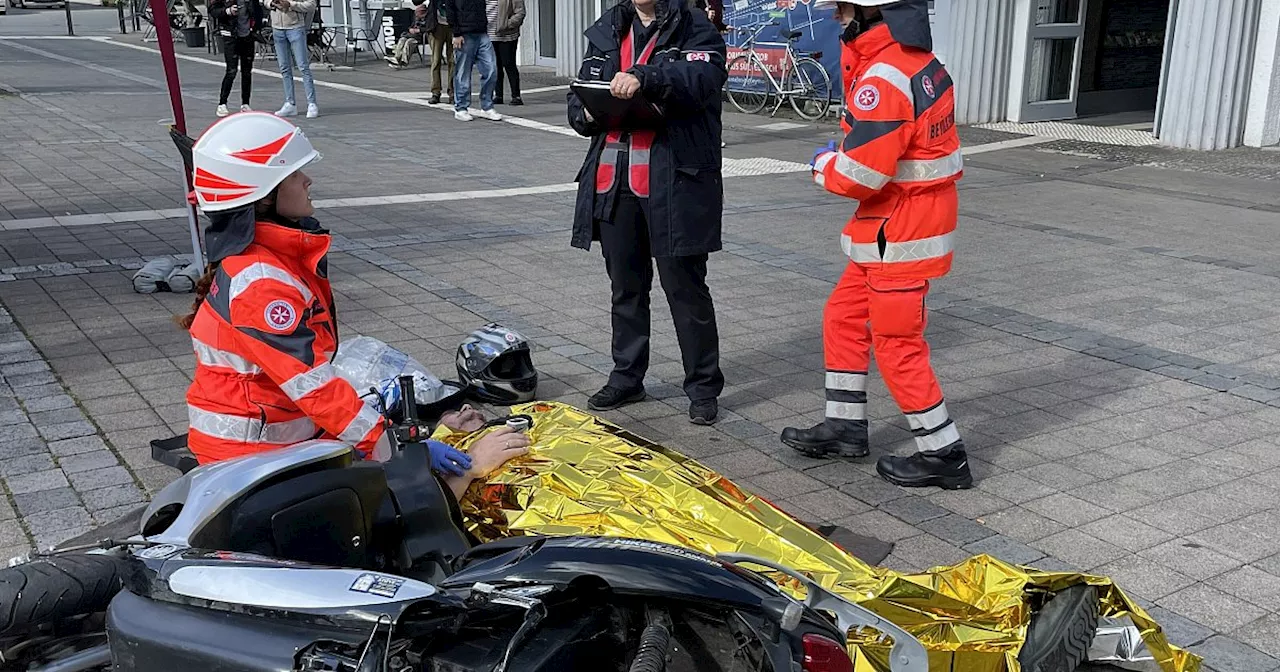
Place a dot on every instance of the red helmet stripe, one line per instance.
(208, 180)
(264, 154)
(216, 198)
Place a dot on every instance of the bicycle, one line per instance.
(804, 81)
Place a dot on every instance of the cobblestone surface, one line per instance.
(1116, 377)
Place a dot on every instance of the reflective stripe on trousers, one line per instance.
(912, 250)
(846, 395)
(250, 430)
(933, 428)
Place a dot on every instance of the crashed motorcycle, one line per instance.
(307, 559)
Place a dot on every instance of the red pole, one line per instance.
(164, 38)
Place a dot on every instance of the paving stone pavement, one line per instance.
(1117, 380)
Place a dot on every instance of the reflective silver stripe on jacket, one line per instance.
(221, 359)
(930, 170)
(250, 430)
(262, 271)
(360, 425)
(846, 382)
(894, 76)
(852, 170)
(846, 410)
(934, 417)
(307, 382)
(938, 440)
(914, 250)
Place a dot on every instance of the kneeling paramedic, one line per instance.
(263, 325)
(900, 159)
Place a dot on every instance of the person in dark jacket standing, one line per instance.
(470, 22)
(236, 21)
(656, 193)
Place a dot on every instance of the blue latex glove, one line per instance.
(829, 147)
(448, 460)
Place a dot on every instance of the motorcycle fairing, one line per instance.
(203, 493)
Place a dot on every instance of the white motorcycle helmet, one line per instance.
(242, 158)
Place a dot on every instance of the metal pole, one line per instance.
(120, 13)
(197, 245)
(66, 6)
(134, 5)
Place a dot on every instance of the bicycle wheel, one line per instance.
(809, 88)
(748, 85)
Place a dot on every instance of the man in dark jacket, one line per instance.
(236, 21)
(470, 23)
(656, 193)
(441, 35)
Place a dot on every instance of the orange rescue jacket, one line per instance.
(900, 158)
(263, 340)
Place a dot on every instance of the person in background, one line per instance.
(441, 35)
(290, 21)
(715, 12)
(236, 20)
(505, 19)
(470, 22)
(410, 39)
(656, 194)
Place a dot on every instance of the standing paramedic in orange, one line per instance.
(264, 325)
(900, 160)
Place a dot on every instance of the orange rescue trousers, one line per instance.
(888, 313)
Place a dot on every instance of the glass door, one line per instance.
(547, 32)
(1048, 51)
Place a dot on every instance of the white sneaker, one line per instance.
(223, 111)
(246, 108)
(462, 115)
(288, 110)
(491, 114)
(313, 111)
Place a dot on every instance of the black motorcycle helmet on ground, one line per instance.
(495, 364)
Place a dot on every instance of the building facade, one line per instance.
(1205, 72)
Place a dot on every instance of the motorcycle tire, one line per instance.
(47, 590)
(1060, 634)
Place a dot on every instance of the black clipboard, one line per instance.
(616, 114)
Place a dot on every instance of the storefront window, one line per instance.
(1057, 11)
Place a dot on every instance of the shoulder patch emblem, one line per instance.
(697, 56)
(280, 316)
(867, 98)
(927, 84)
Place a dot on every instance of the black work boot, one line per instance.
(826, 439)
(948, 470)
(610, 397)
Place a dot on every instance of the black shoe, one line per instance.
(610, 397)
(949, 471)
(498, 101)
(823, 440)
(435, 99)
(704, 412)
(517, 100)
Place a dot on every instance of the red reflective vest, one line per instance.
(263, 339)
(900, 158)
(639, 143)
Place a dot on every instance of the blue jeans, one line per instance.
(475, 49)
(291, 48)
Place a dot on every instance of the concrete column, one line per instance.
(573, 17)
(1206, 73)
(1262, 114)
(979, 43)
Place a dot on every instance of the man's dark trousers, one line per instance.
(624, 241)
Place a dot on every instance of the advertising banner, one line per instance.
(819, 33)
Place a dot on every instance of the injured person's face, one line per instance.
(465, 419)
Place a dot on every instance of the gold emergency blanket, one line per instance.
(585, 476)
